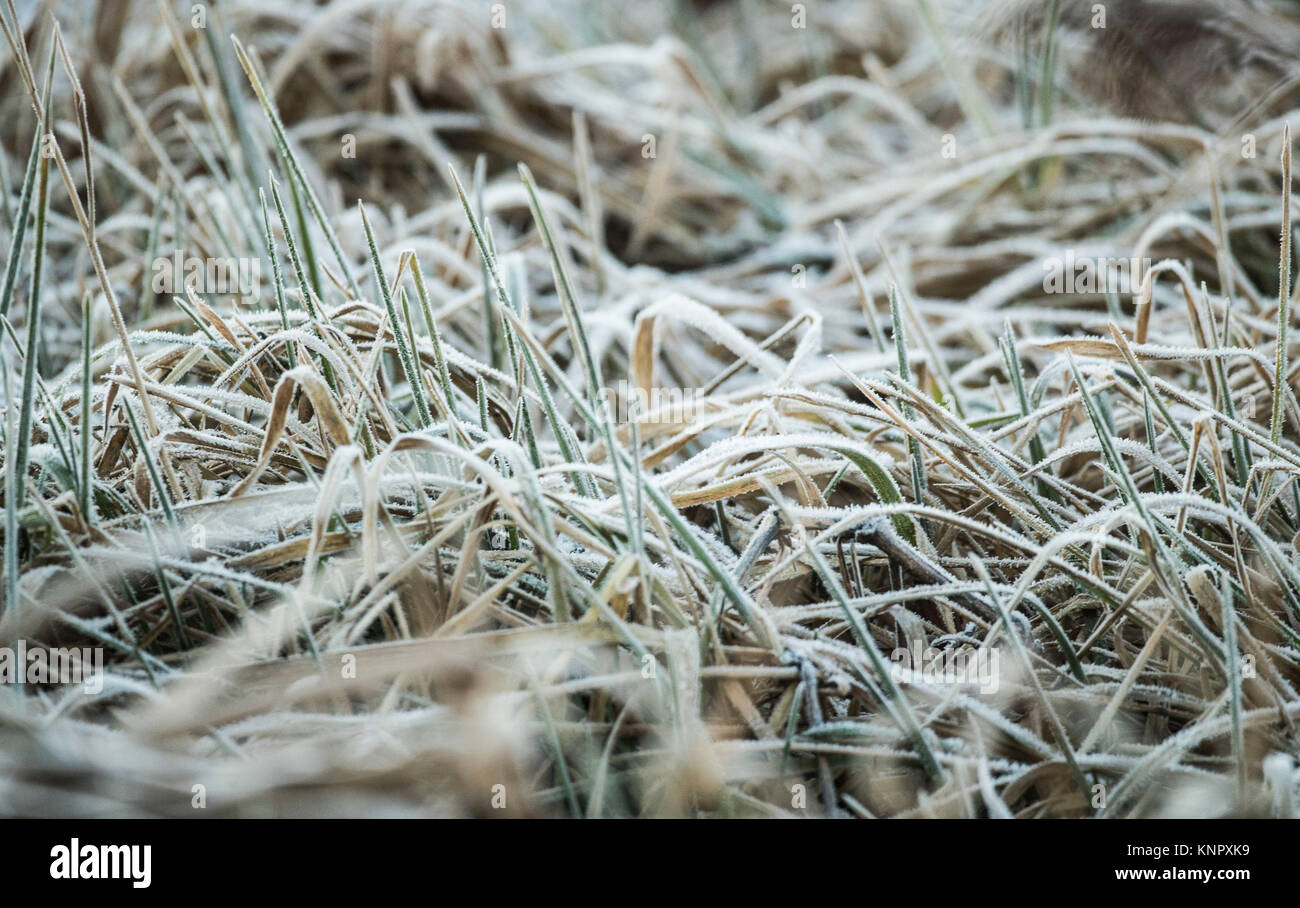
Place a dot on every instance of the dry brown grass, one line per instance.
(365, 540)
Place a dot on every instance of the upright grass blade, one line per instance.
(84, 220)
(6, 205)
(905, 376)
(578, 332)
(1016, 373)
(85, 492)
(686, 533)
(399, 336)
(568, 298)
(20, 227)
(13, 481)
(435, 338)
(489, 316)
(864, 296)
(1280, 389)
(25, 413)
(304, 287)
(524, 427)
(959, 76)
(1047, 75)
(1149, 388)
(147, 295)
(165, 588)
(1156, 478)
(277, 279)
(309, 257)
(164, 498)
(254, 158)
(302, 183)
(1283, 296)
(582, 481)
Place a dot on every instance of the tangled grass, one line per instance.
(406, 527)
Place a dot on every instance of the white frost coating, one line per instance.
(734, 448)
(719, 329)
(1125, 446)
